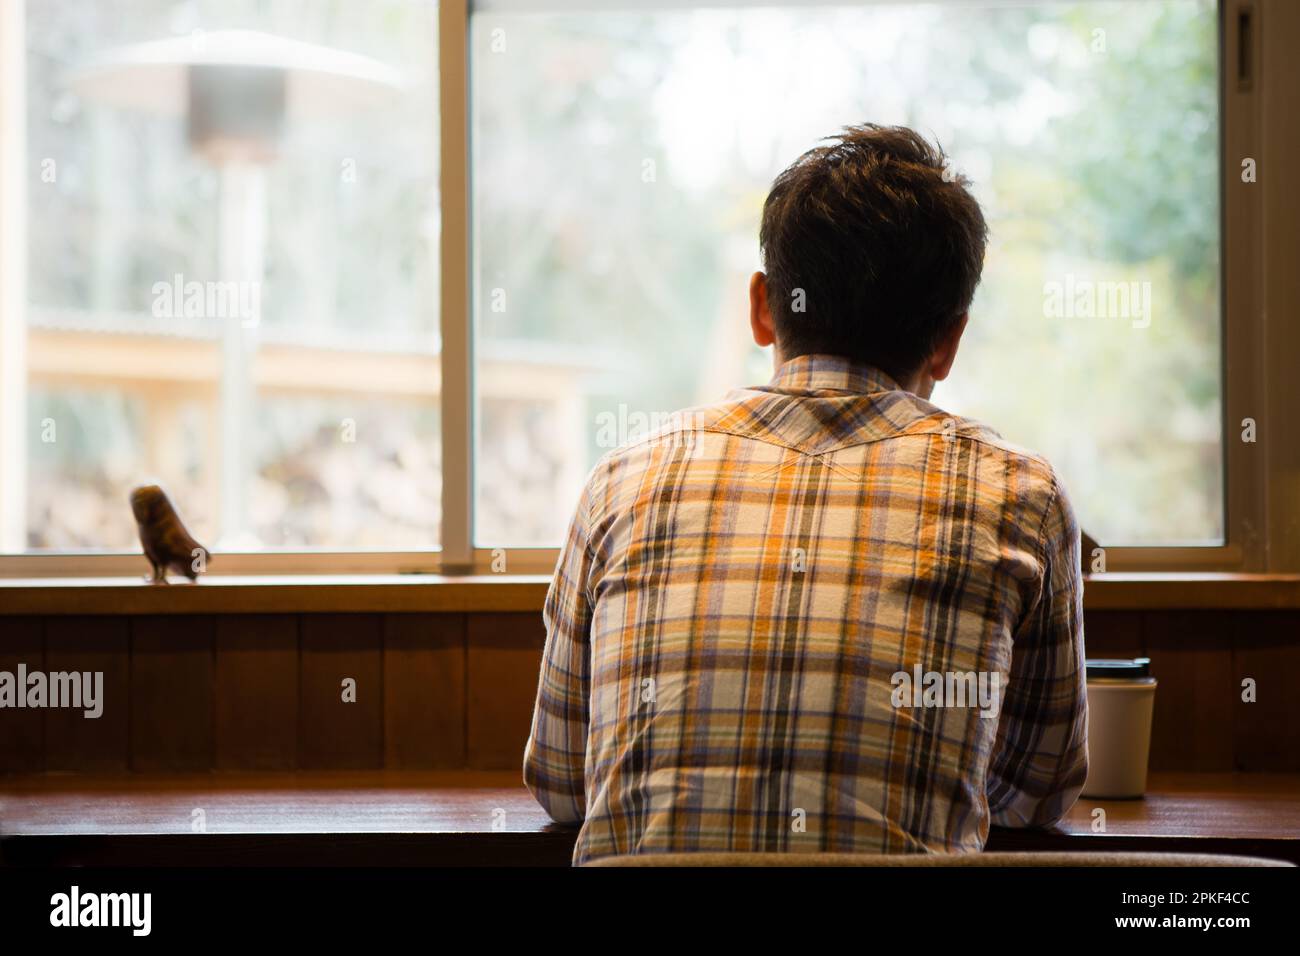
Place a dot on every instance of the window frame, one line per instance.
(1243, 352)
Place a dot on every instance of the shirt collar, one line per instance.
(829, 373)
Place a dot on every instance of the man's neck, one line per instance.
(918, 384)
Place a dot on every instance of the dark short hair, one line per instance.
(885, 248)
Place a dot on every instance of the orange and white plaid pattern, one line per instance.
(738, 594)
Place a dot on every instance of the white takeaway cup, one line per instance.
(1121, 698)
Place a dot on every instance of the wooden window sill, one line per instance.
(276, 594)
(432, 593)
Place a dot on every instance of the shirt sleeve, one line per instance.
(1040, 757)
(555, 755)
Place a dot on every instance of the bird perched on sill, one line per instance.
(167, 544)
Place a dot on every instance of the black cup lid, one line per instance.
(1131, 669)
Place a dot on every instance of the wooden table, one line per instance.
(1239, 813)
(467, 818)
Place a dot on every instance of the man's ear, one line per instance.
(760, 317)
(946, 353)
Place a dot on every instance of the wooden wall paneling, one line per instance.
(172, 677)
(72, 740)
(1191, 657)
(22, 730)
(1266, 733)
(257, 692)
(334, 734)
(1113, 634)
(504, 660)
(424, 691)
(447, 690)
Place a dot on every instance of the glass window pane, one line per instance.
(621, 160)
(232, 282)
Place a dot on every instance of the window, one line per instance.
(620, 164)
(232, 279)
(372, 286)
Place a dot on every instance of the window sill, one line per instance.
(433, 593)
(276, 594)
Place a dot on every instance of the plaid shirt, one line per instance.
(738, 595)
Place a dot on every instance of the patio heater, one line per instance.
(238, 91)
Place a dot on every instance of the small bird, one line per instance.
(167, 544)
